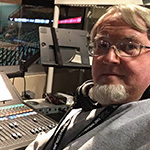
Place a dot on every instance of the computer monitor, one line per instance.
(61, 47)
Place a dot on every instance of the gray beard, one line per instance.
(108, 94)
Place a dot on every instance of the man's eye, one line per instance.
(127, 46)
(131, 47)
(103, 45)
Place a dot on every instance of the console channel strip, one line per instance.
(19, 122)
(19, 125)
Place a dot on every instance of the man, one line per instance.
(110, 112)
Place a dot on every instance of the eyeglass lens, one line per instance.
(125, 48)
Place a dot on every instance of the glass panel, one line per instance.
(19, 29)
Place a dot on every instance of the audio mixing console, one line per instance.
(19, 123)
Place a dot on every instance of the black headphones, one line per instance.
(82, 99)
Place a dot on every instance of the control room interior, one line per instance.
(20, 51)
(26, 33)
(16, 32)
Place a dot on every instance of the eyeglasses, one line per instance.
(122, 49)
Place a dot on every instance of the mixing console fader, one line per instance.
(19, 123)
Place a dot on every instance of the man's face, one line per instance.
(131, 72)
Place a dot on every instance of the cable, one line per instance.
(25, 95)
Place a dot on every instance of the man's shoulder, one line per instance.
(145, 103)
(133, 111)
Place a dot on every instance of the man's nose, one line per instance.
(111, 56)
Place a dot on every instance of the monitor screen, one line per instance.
(57, 50)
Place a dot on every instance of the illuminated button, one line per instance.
(3, 118)
(12, 117)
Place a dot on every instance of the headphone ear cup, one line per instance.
(82, 100)
(84, 88)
